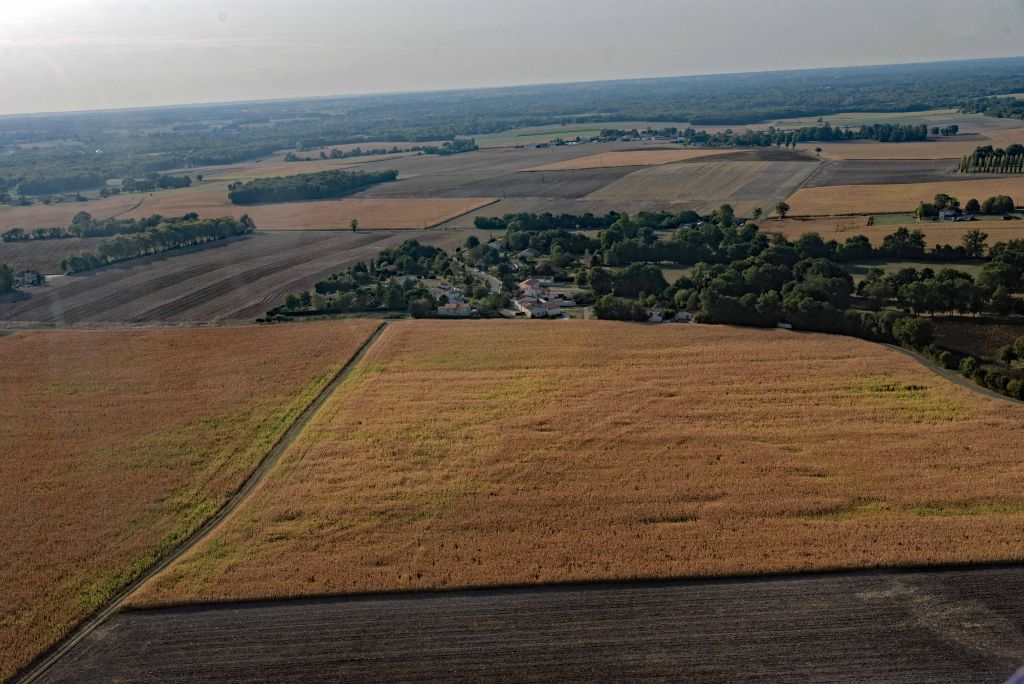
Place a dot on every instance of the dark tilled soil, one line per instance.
(890, 171)
(939, 626)
(979, 337)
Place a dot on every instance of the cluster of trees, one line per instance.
(530, 222)
(155, 181)
(306, 186)
(168, 234)
(928, 292)
(988, 160)
(946, 131)
(6, 278)
(999, 205)
(451, 147)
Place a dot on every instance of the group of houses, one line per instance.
(455, 305)
(28, 277)
(538, 301)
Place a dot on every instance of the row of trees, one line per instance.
(999, 205)
(337, 153)
(84, 225)
(6, 278)
(823, 132)
(306, 186)
(167, 235)
(989, 160)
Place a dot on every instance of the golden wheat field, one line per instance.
(630, 158)
(492, 453)
(904, 197)
(117, 445)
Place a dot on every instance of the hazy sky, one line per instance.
(86, 54)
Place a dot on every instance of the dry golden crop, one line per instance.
(117, 445)
(491, 453)
(868, 199)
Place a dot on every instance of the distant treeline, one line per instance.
(165, 235)
(306, 186)
(823, 132)
(988, 160)
(999, 107)
(354, 152)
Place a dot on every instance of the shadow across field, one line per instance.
(888, 626)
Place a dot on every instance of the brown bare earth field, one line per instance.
(120, 444)
(277, 166)
(943, 148)
(704, 186)
(619, 452)
(630, 158)
(866, 199)
(227, 280)
(936, 233)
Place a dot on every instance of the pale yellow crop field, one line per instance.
(486, 453)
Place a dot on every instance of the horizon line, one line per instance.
(428, 91)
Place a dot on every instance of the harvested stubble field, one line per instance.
(651, 157)
(584, 450)
(706, 185)
(120, 444)
(936, 232)
(210, 201)
(891, 199)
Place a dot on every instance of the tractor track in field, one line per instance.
(51, 657)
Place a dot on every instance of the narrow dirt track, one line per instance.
(934, 626)
(86, 628)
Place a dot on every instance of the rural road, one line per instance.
(892, 626)
(257, 476)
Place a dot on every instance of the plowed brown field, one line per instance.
(584, 450)
(117, 445)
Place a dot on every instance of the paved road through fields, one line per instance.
(932, 626)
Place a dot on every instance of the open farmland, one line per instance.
(60, 214)
(231, 280)
(703, 186)
(684, 470)
(210, 201)
(43, 255)
(867, 199)
(936, 232)
(632, 158)
(120, 444)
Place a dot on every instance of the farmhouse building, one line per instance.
(27, 278)
(455, 310)
(534, 287)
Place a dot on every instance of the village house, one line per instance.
(28, 277)
(530, 306)
(455, 310)
(534, 287)
(955, 214)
